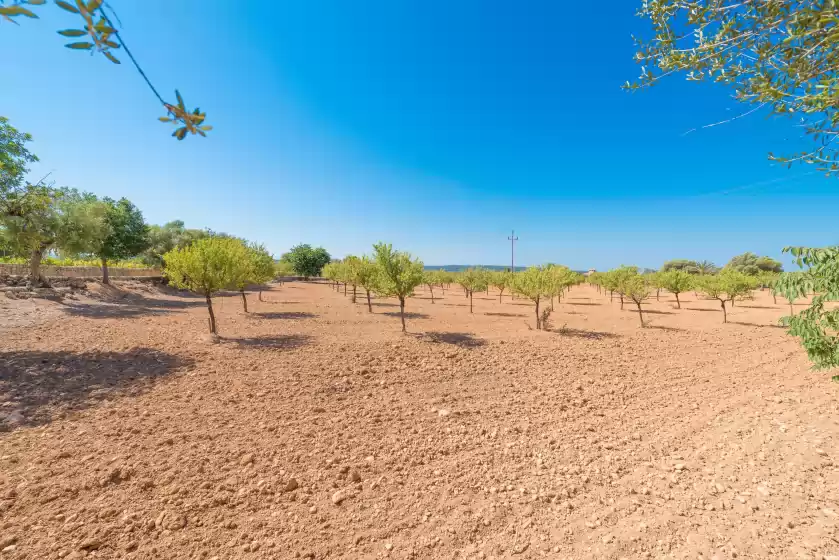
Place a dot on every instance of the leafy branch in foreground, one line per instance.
(104, 37)
(780, 55)
(818, 325)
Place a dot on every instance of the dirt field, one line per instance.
(316, 430)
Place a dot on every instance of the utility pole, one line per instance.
(512, 239)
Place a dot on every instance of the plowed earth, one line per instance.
(315, 429)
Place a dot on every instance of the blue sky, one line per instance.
(437, 126)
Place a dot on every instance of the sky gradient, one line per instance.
(436, 126)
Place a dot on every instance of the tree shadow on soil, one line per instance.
(579, 333)
(456, 304)
(283, 342)
(764, 325)
(664, 328)
(43, 385)
(761, 306)
(650, 311)
(408, 315)
(285, 315)
(701, 309)
(464, 340)
(383, 304)
(522, 304)
(112, 302)
(581, 303)
(493, 314)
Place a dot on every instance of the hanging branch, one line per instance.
(105, 38)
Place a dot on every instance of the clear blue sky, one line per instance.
(437, 126)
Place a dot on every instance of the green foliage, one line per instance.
(162, 239)
(474, 280)
(501, 280)
(753, 265)
(307, 261)
(636, 287)
(675, 281)
(14, 156)
(75, 261)
(818, 325)
(780, 55)
(125, 233)
(533, 284)
(207, 266)
(706, 267)
(726, 286)
(691, 267)
(102, 36)
(398, 274)
(284, 268)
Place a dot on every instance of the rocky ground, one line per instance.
(314, 429)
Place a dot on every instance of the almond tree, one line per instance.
(637, 289)
(367, 277)
(398, 275)
(676, 282)
(255, 267)
(205, 267)
(330, 272)
(352, 270)
(532, 284)
(501, 280)
(726, 286)
(473, 280)
(431, 278)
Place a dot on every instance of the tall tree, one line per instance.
(399, 274)
(306, 260)
(14, 156)
(126, 233)
(205, 267)
(753, 265)
(691, 267)
(172, 235)
(777, 55)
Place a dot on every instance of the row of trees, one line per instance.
(747, 263)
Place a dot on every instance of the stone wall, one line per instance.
(77, 271)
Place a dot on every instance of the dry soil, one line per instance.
(314, 429)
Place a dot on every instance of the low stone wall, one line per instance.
(77, 271)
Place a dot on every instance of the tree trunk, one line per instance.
(552, 303)
(212, 315)
(345, 288)
(431, 289)
(658, 293)
(724, 314)
(501, 293)
(244, 300)
(35, 277)
(105, 279)
(775, 299)
(621, 302)
(353, 293)
(538, 319)
(402, 312)
(470, 301)
(791, 311)
(640, 314)
(369, 305)
(678, 303)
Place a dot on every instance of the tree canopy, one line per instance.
(125, 235)
(753, 265)
(306, 260)
(779, 56)
(399, 274)
(691, 267)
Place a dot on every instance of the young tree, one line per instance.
(367, 278)
(473, 280)
(777, 55)
(818, 325)
(256, 267)
(618, 279)
(501, 280)
(726, 286)
(306, 261)
(637, 289)
(126, 234)
(676, 281)
(532, 283)
(205, 267)
(793, 285)
(431, 278)
(399, 274)
(330, 272)
(353, 270)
